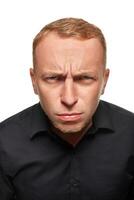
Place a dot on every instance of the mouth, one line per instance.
(70, 117)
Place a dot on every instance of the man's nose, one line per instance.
(68, 95)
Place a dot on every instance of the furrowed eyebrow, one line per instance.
(50, 73)
(87, 73)
(80, 73)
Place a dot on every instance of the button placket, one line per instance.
(74, 178)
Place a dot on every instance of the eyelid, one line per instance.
(50, 75)
(85, 76)
(54, 77)
(61, 77)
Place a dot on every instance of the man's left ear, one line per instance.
(106, 76)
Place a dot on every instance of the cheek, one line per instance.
(90, 100)
(48, 97)
(91, 93)
(47, 103)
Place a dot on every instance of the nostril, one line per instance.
(69, 99)
(69, 102)
(68, 95)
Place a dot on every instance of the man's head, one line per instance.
(69, 73)
(70, 27)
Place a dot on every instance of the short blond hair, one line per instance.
(71, 27)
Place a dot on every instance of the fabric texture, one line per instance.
(36, 164)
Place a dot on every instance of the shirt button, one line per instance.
(74, 182)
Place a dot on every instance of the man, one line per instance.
(71, 145)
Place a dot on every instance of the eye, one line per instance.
(53, 78)
(84, 77)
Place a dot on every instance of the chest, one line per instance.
(87, 174)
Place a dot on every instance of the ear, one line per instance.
(106, 76)
(33, 79)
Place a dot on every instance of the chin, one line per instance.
(67, 129)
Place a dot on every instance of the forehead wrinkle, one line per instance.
(69, 69)
(68, 63)
(72, 65)
(69, 59)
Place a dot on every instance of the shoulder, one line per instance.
(115, 109)
(15, 131)
(17, 120)
(118, 114)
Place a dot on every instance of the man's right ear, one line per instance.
(33, 79)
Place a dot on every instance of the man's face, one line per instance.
(69, 78)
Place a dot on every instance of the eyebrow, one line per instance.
(64, 75)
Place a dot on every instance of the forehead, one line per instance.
(52, 39)
(54, 50)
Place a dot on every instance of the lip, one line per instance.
(69, 117)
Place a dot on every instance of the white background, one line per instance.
(21, 20)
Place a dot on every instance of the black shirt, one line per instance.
(36, 164)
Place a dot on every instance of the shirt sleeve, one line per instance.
(6, 188)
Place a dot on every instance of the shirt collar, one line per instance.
(39, 121)
(102, 119)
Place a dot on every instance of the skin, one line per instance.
(69, 77)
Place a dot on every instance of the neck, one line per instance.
(72, 138)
